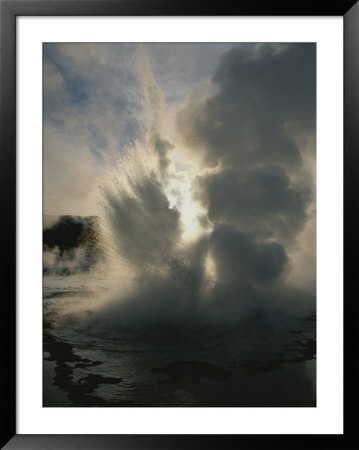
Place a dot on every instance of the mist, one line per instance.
(214, 238)
(180, 225)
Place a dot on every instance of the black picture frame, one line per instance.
(9, 10)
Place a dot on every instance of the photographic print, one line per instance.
(179, 225)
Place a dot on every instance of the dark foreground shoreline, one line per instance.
(80, 391)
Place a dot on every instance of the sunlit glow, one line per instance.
(179, 194)
(210, 270)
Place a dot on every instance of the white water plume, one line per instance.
(168, 256)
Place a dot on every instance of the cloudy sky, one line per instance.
(94, 108)
(204, 151)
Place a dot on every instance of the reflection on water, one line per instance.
(254, 364)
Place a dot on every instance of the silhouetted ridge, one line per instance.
(72, 241)
(69, 232)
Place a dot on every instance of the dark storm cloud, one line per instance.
(256, 199)
(248, 273)
(238, 255)
(260, 92)
(260, 200)
(266, 99)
